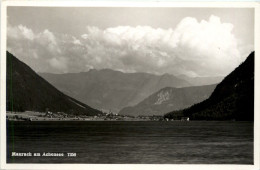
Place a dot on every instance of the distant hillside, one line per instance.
(168, 99)
(28, 91)
(111, 90)
(233, 98)
(199, 81)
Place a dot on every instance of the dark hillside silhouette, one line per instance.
(26, 90)
(233, 98)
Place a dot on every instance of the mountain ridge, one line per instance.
(168, 99)
(111, 90)
(27, 91)
(233, 98)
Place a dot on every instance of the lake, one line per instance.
(132, 142)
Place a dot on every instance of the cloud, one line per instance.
(59, 63)
(194, 48)
(41, 50)
(20, 32)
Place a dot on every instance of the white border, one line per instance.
(124, 3)
(4, 165)
(257, 90)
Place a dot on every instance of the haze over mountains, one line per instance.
(26, 90)
(200, 81)
(233, 98)
(169, 99)
(111, 90)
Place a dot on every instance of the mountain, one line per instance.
(199, 81)
(28, 91)
(168, 99)
(233, 98)
(107, 89)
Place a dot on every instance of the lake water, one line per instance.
(194, 142)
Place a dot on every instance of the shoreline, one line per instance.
(32, 116)
(39, 116)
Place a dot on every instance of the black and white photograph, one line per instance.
(129, 85)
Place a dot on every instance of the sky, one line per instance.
(190, 41)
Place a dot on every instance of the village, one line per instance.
(61, 116)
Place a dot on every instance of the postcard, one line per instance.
(129, 85)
